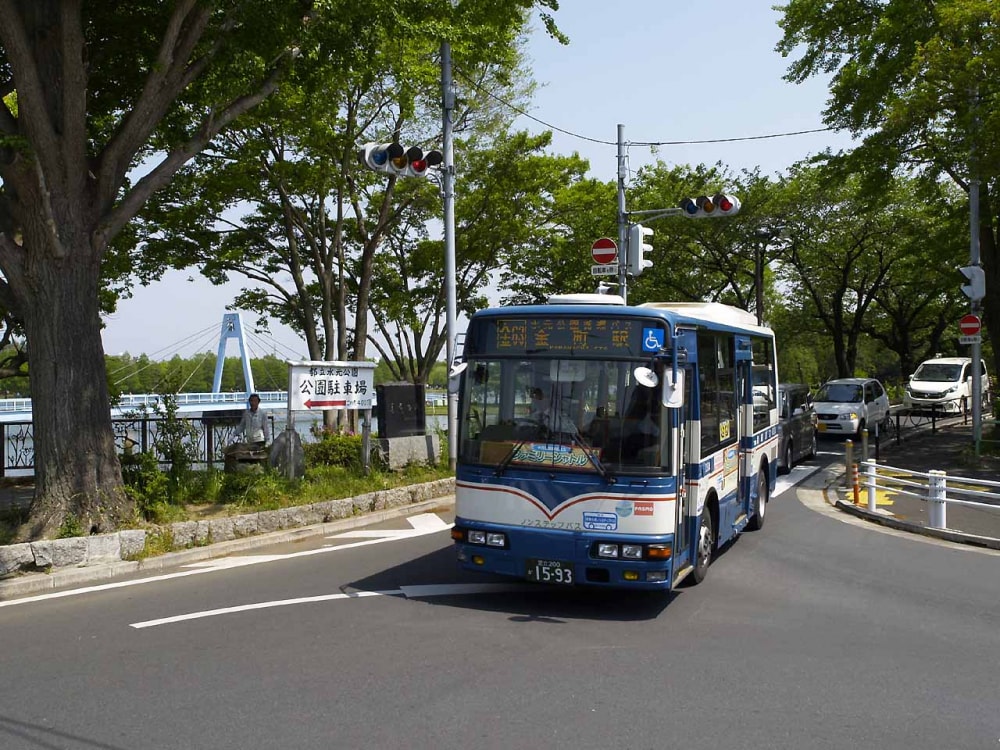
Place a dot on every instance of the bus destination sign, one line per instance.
(602, 336)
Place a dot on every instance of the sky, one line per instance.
(666, 70)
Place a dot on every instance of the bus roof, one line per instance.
(714, 312)
(684, 313)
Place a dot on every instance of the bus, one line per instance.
(611, 445)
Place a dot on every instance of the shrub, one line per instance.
(334, 449)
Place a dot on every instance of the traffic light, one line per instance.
(706, 206)
(635, 251)
(392, 158)
(975, 290)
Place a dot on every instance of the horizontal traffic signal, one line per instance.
(392, 158)
(706, 206)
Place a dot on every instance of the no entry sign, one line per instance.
(969, 325)
(604, 250)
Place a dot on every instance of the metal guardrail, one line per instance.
(934, 487)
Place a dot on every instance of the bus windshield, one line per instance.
(585, 415)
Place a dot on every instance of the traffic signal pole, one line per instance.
(622, 218)
(448, 189)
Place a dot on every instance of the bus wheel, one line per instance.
(706, 546)
(757, 519)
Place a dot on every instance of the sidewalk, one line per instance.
(951, 450)
(47, 565)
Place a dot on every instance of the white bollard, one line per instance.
(870, 471)
(937, 510)
(848, 461)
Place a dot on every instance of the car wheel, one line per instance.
(861, 429)
(786, 461)
(757, 519)
(706, 546)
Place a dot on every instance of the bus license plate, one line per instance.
(550, 571)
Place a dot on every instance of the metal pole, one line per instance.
(448, 188)
(622, 218)
(977, 378)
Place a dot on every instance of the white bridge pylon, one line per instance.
(232, 328)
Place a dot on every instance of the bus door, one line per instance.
(686, 501)
(744, 417)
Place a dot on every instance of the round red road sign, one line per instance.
(604, 250)
(969, 325)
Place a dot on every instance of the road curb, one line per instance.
(889, 521)
(33, 583)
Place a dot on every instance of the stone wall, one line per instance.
(52, 554)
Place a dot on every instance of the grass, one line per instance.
(211, 494)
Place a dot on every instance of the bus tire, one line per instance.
(706, 546)
(756, 522)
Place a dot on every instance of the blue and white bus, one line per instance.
(612, 445)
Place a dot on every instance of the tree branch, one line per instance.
(160, 176)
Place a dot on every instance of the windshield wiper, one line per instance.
(577, 439)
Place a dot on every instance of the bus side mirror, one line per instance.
(455, 376)
(673, 389)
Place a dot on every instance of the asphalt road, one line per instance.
(821, 631)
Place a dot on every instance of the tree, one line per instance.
(919, 83)
(90, 92)
(85, 95)
(840, 252)
(327, 244)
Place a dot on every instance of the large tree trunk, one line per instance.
(77, 472)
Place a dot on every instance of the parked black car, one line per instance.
(797, 425)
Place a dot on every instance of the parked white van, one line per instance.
(944, 384)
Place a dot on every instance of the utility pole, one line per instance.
(448, 189)
(976, 305)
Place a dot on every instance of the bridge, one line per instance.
(188, 404)
(131, 404)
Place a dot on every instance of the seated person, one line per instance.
(255, 428)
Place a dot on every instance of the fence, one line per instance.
(934, 487)
(211, 433)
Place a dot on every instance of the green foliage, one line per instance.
(177, 441)
(334, 449)
(70, 528)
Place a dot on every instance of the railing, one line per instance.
(931, 486)
(135, 434)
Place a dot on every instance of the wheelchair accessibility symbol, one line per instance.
(652, 339)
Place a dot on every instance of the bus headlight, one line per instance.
(632, 551)
(476, 537)
(496, 539)
(607, 550)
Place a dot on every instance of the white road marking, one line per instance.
(422, 523)
(794, 477)
(238, 561)
(409, 592)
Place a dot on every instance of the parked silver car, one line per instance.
(849, 405)
(797, 425)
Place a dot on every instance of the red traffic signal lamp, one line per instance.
(705, 206)
(392, 158)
